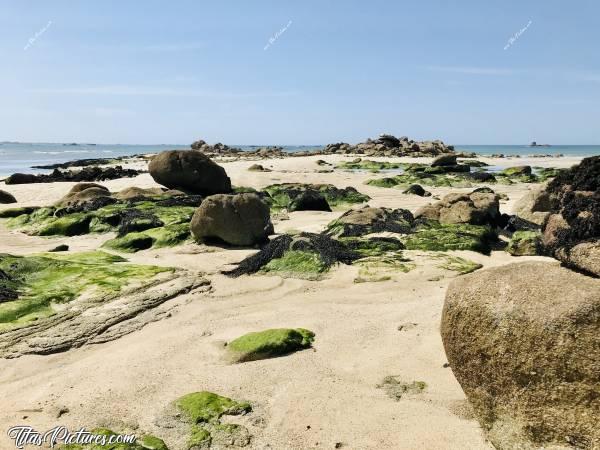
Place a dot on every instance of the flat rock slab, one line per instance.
(96, 320)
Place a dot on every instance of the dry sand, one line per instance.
(311, 399)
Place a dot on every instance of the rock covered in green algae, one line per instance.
(208, 407)
(202, 411)
(146, 442)
(434, 236)
(282, 196)
(269, 343)
(367, 220)
(525, 243)
(44, 280)
(367, 164)
(141, 222)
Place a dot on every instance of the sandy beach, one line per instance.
(323, 397)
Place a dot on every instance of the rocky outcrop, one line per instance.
(575, 216)
(88, 174)
(239, 219)
(189, 171)
(523, 341)
(387, 145)
(7, 197)
(476, 208)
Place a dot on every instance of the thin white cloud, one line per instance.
(149, 91)
(472, 70)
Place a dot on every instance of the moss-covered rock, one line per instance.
(373, 246)
(428, 177)
(167, 236)
(45, 281)
(269, 343)
(15, 212)
(282, 196)
(434, 236)
(525, 243)
(360, 222)
(366, 164)
(208, 407)
(101, 437)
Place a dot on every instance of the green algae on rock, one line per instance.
(46, 280)
(423, 178)
(281, 196)
(367, 164)
(297, 264)
(167, 236)
(208, 407)
(525, 243)
(434, 236)
(269, 343)
(100, 441)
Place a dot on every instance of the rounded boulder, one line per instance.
(236, 219)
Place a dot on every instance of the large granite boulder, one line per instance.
(476, 208)
(444, 160)
(21, 178)
(237, 219)
(535, 206)
(7, 197)
(190, 171)
(523, 341)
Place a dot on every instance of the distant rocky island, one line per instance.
(535, 144)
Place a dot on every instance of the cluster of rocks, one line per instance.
(86, 174)
(523, 339)
(567, 211)
(388, 145)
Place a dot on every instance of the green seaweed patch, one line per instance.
(269, 343)
(382, 268)
(281, 196)
(457, 264)
(395, 388)
(525, 243)
(16, 212)
(545, 173)
(199, 437)
(99, 440)
(373, 246)
(434, 236)
(367, 164)
(423, 178)
(168, 236)
(208, 407)
(47, 280)
(297, 264)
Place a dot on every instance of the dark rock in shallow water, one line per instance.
(7, 197)
(444, 160)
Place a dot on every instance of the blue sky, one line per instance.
(174, 71)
